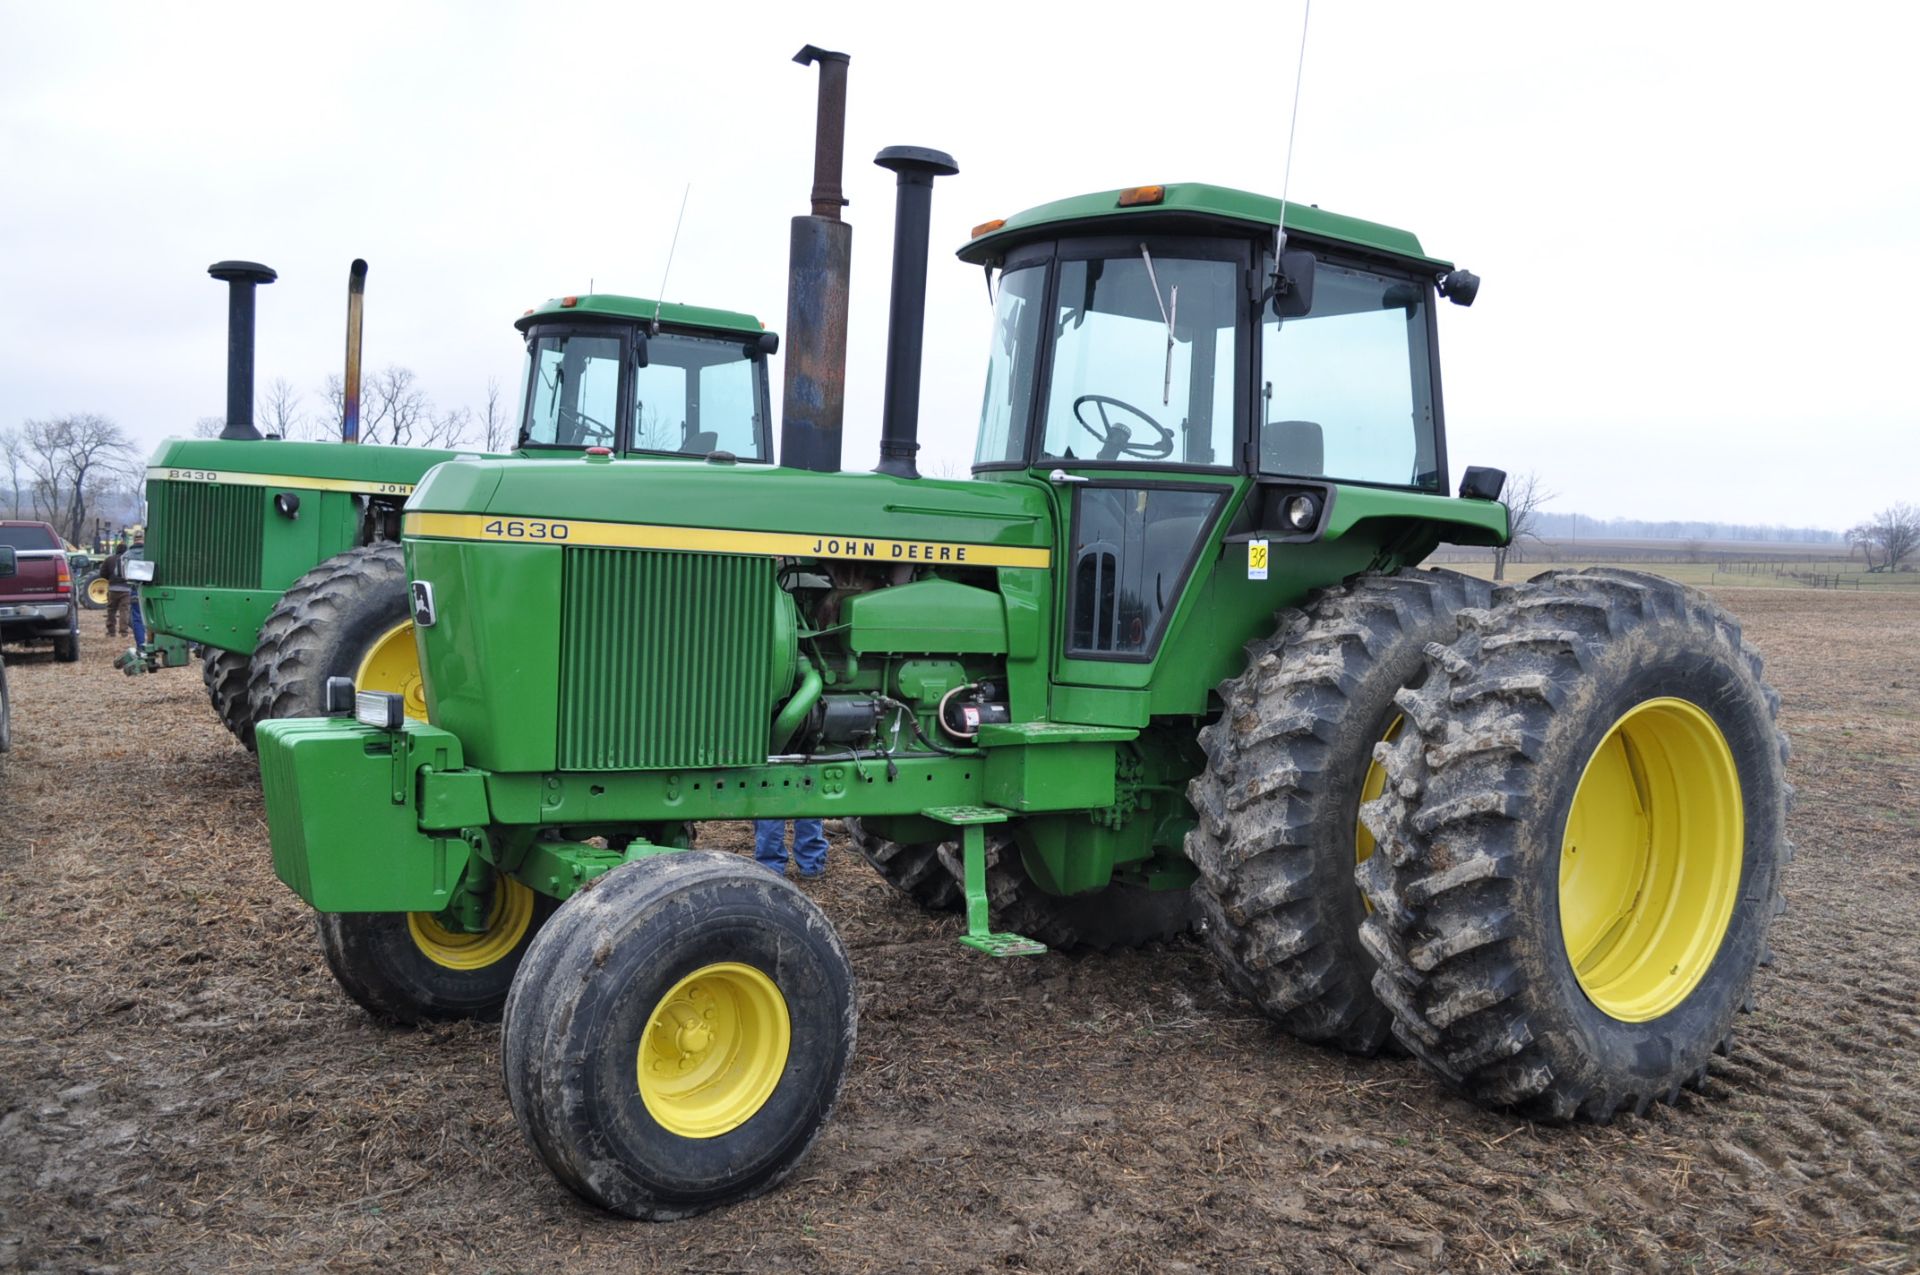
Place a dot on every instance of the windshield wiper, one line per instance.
(1168, 312)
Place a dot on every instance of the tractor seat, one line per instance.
(1293, 447)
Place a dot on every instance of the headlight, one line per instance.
(383, 709)
(139, 570)
(1301, 512)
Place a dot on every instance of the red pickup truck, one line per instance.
(37, 601)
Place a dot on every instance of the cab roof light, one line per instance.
(567, 303)
(987, 227)
(1136, 196)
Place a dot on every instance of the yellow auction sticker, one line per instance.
(288, 482)
(785, 544)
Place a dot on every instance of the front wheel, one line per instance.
(419, 967)
(678, 1035)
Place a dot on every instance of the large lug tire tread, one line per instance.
(1279, 798)
(914, 870)
(1119, 916)
(1464, 887)
(66, 649)
(323, 627)
(376, 962)
(584, 994)
(226, 676)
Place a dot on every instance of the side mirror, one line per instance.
(1481, 483)
(8, 563)
(1460, 286)
(765, 345)
(1293, 285)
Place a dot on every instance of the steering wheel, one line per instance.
(592, 432)
(1115, 439)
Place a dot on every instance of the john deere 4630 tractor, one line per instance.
(282, 559)
(1170, 643)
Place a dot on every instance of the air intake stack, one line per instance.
(907, 316)
(241, 278)
(820, 268)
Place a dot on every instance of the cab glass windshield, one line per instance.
(699, 394)
(574, 397)
(1347, 390)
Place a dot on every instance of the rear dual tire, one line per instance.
(348, 617)
(1603, 714)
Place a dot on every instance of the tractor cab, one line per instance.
(1155, 364)
(641, 378)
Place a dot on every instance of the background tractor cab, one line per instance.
(1191, 407)
(645, 378)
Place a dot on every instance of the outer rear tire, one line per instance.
(324, 626)
(1278, 802)
(587, 1013)
(1479, 960)
(225, 675)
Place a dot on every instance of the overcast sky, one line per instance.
(1698, 226)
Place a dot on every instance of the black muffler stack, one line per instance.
(820, 267)
(907, 316)
(241, 278)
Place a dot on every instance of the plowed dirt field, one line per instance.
(182, 1087)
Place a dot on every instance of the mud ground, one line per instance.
(182, 1087)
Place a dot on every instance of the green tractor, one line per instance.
(1169, 648)
(281, 560)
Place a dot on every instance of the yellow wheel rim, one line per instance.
(507, 921)
(1650, 861)
(392, 663)
(97, 591)
(713, 1050)
(1372, 786)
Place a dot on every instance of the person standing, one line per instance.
(139, 550)
(809, 846)
(119, 593)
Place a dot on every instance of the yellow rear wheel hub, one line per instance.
(392, 663)
(97, 591)
(713, 1050)
(1372, 786)
(508, 917)
(1650, 860)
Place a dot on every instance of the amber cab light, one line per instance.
(1134, 196)
(567, 303)
(988, 227)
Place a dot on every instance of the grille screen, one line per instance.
(664, 660)
(204, 535)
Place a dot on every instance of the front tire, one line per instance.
(1288, 764)
(1582, 845)
(348, 617)
(93, 592)
(678, 1035)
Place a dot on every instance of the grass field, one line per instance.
(1713, 575)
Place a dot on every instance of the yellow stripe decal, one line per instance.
(626, 535)
(289, 482)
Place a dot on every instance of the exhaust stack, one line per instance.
(241, 278)
(350, 388)
(907, 315)
(820, 267)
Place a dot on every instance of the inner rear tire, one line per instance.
(1120, 916)
(325, 626)
(1534, 975)
(225, 675)
(1278, 803)
(914, 870)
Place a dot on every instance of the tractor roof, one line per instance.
(1191, 203)
(606, 305)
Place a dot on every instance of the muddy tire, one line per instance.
(332, 623)
(404, 967)
(678, 1035)
(1581, 846)
(225, 675)
(914, 870)
(1288, 764)
(1120, 916)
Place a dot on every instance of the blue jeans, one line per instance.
(809, 845)
(139, 622)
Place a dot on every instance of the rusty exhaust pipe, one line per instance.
(907, 312)
(350, 388)
(241, 278)
(819, 273)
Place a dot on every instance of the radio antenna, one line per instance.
(661, 296)
(1286, 174)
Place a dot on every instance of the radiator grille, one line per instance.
(204, 535)
(664, 660)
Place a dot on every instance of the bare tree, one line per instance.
(279, 413)
(396, 411)
(72, 462)
(497, 423)
(1524, 495)
(1892, 535)
(209, 426)
(13, 454)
